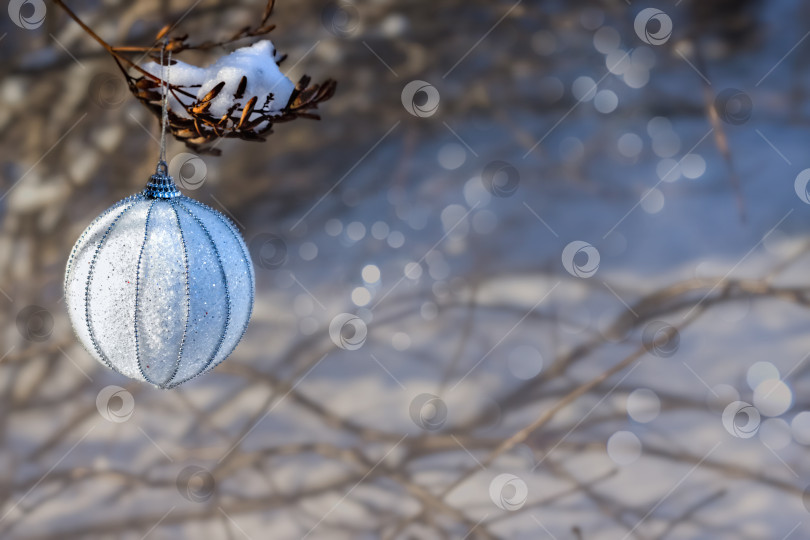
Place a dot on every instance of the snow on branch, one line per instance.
(241, 95)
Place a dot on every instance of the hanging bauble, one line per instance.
(160, 287)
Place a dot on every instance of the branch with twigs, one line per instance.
(249, 117)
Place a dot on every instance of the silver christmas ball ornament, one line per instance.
(160, 287)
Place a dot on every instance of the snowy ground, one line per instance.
(475, 328)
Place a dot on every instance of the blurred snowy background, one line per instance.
(539, 272)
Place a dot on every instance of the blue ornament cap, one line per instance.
(161, 185)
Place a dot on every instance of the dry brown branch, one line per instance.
(197, 127)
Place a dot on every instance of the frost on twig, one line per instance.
(241, 95)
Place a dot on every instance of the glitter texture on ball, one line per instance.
(160, 287)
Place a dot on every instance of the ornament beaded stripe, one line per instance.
(87, 288)
(160, 287)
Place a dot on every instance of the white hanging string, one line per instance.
(164, 119)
